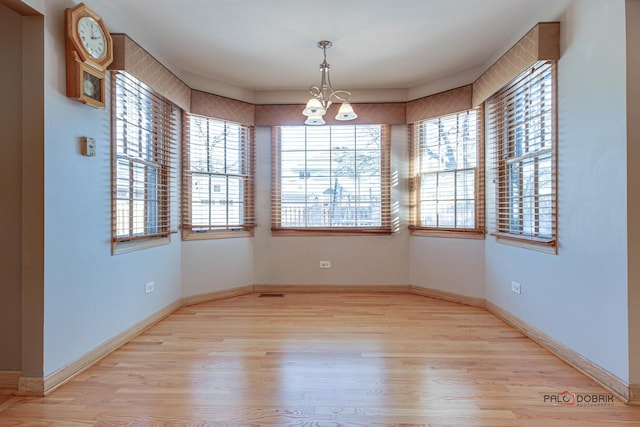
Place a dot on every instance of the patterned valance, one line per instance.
(540, 44)
(209, 105)
(130, 57)
(439, 104)
(291, 114)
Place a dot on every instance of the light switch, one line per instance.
(88, 146)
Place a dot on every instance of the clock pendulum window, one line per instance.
(91, 86)
(89, 51)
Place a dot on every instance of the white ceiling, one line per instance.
(255, 47)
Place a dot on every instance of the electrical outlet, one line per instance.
(325, 264)
(515, 287)
(149, 287)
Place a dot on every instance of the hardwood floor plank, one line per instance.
(316, 359)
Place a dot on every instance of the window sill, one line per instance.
(548, 246)
(448, 233)
(212, 235)
(302, 232)
(138, 244)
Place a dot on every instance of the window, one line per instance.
(143, 144)
(522, 130)
(217, 179)
(331, 179)
(447, 180)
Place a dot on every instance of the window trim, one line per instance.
(248, 228)
(385, 194)
(166, 170)
(478, 232)
(541, 244)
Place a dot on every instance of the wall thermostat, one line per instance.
(88, 146)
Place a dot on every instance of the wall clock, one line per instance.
(89, 51)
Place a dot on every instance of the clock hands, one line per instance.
(93, 30)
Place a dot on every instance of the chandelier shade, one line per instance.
(315, 120)
(314, 107)
(324, 95)
(346, 112)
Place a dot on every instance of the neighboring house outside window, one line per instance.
(331, 179)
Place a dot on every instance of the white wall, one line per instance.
(215, 265)
(579, 297)
(450, 265)
(90, 295)
(359, 260)
(11, 179)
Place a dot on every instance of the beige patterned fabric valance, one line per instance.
(540, 44)
(291, 114)
(439, 104)
(130, 57)
(209, 105)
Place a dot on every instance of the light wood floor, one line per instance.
(323, 360)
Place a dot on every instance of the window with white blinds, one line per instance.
(331, 179)
(446, 169)
(522, 132)
(143, 148)
(218, 179)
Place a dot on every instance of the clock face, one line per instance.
(92, 37)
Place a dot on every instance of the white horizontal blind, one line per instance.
(446, 171)
(521, 129)
(144, 137)
(331, 178)
(218, 176)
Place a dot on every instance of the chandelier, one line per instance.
(322, 96)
